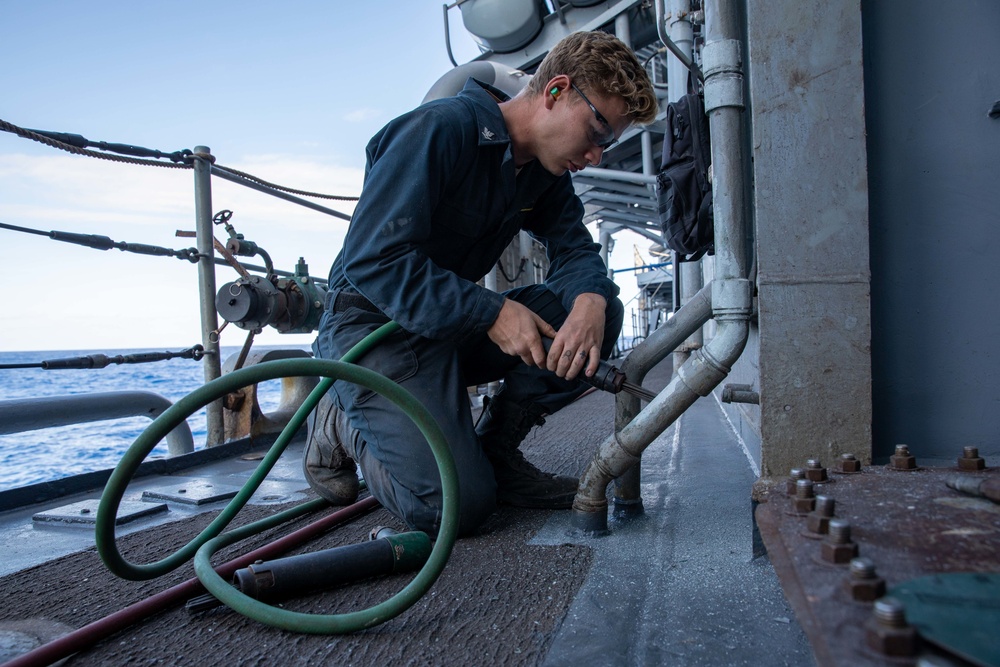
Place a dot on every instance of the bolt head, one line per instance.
(838, 554)
(905, 462)
(968, 463)
(897, 639)
(816, 474)
(865, 590)
(848, 463)
(805, 505)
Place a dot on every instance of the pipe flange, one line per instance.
(589, 524)
(724, 89)
(723, 64)
(725, 55)
(732, 296)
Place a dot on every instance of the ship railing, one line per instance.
(30, 414)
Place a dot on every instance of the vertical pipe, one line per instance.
(681, 32)
(648, 164)
(622, 29)
(629, 503)
(724, 105)
(606, 244)
(689, 273)
(206, 286)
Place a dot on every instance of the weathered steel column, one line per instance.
(810, 170)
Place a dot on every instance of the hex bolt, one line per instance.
(971, 460)
(805, 499)
(815, 471)
(887, 630)
(863, 584)
(848, 463)
(902, 459)
(837, 547)
(819, 519)
(794, 475)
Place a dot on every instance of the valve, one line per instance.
(290, 305)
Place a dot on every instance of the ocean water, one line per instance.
(53, 453)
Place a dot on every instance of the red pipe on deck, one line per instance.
(94, 632)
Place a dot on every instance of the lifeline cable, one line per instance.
(74, 143)
(76, 150)
(99, 242)
(196, 352)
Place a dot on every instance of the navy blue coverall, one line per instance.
(441, 201)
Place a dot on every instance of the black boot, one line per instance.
(328, 468)
(501, 428)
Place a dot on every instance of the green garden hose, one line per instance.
(211, 539)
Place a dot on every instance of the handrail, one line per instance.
(30, 414)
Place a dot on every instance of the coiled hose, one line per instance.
(212, 539)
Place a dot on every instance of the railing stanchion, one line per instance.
(206, 286)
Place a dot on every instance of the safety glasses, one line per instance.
(605, 138)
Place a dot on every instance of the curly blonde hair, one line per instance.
(600, 62)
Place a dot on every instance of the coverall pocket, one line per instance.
(393, 357)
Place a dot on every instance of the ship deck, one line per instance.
(678, 585)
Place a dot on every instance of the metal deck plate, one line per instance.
(909, 523)
(85, 512)
(192, 492)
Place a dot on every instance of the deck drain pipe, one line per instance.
(731, 290)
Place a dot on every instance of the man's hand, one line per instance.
(577, 346)
(518, 331)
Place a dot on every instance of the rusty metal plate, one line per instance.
(192, 492)
(85, 512)
(908, 522)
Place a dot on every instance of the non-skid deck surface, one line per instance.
(498, 601)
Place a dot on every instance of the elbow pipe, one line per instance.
(697, 377)
(702, 372)
(689, 318)
(657, 346)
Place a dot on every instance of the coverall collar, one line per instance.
(489, 119)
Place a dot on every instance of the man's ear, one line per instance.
(554, 88)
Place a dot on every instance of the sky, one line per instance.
(290, 92)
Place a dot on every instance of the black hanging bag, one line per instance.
(683, 192)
